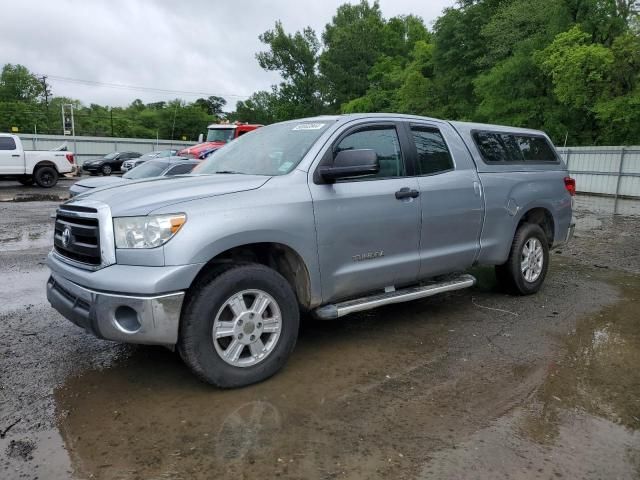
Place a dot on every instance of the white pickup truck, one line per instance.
(42, 167)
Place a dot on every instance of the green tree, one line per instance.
(603, 20)
(18, 84)
(259, 108)
(397, 79)
(213, 105)
(579, 69)
(353, 42)
(295, 57)
(457, 57)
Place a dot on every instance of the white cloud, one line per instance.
(197, 46)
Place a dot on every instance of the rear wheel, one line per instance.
(46, 177)
(528, 262)
(240, 326)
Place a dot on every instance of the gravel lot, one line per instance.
(473, 384)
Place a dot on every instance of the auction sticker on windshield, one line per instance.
(309, 126)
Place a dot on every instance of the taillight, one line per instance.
(70, 158)
(570, 185)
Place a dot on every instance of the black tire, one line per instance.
(510, 274)
(46, 177)
(196, 344)
(106, 170)
(26, 181)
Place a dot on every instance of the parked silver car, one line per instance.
(154, 168)
(134, 162)
(328, 215)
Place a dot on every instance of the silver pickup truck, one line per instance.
(328, 215)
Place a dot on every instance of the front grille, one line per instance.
(83, 237)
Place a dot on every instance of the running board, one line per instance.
(333, 311)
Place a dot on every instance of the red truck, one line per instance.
(218, 134)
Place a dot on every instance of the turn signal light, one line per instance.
(570, 185)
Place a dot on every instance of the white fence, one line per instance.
(87, 148)
(613, 171)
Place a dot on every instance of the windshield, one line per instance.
(146, 170)
(109, 156)
(220, 134)
(273, 150)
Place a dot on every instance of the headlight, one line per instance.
(146, 232)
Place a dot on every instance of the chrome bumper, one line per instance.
(132, 319)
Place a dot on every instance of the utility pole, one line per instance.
(111, 112)
(173, 127)
(46, 96)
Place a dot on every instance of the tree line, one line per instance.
(27, 103)
(569, 67)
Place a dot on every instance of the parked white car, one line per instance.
(28, 166)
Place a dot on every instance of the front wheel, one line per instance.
(106, 170)
(528, 262)
(46, 177)
(239, 327)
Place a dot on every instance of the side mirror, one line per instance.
(351, 163)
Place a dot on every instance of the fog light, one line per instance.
(126, 319)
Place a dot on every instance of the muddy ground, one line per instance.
(13, 191)
(472, 384)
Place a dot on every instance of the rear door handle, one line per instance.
(15, 155)
(406, 192)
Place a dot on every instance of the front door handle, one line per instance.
(406, 192)
(15, 155)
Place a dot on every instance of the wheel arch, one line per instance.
(539, 215)
(281, 257)
(45, 163)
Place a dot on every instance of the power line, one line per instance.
(140, 88)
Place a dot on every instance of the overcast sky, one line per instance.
(202, 46)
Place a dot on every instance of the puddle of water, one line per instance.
(148, 417)
(582, 422)
(600, 374)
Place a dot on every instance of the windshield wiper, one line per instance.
(229, 171)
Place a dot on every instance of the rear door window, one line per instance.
(432, 151)
(7, 143)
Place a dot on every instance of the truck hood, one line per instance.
(141, 197)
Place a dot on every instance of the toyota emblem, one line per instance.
(66, 237)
